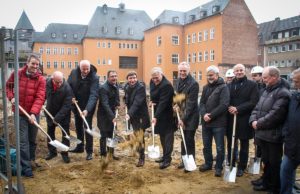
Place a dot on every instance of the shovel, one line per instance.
(153, 151)
(60, 146)
(112, 142)
(92, 132)
(188, 160)
(254, 163)
(69, 137)
(230, 171)
(127, 131)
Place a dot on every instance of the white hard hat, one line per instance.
(229, 73)
(257, 69)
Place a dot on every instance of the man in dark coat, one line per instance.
(291, 133)
(213, 109)
(243, 98)
(138, 115)
(267, 119)
(187, 85)
(109, 101)
(59, 101)
(85, 84)
(161, 95)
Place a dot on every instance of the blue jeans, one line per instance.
(208, 133)
(287, 175)
(28, 133)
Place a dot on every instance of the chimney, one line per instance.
(104, 9)
(277, 19)
(122, 7)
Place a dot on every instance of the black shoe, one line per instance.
(164, 165)
(218, 172)
(89, 156)
(28, 174)
(50, 155)
(240, 173)
(257, 182)
(204, 168)
(180, 166)
(65, 158)
(260, 188)
(77, 150)
(140, 163)
(116, 157)
(159, 160)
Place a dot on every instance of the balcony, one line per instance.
(282, 40)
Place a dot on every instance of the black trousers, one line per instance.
(243, 154)
(189, 136)
(81, 133)
(167, 141)
(51, 132)
(271, 157)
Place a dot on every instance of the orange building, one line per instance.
(221, 32)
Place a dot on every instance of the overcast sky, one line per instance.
(43, 12)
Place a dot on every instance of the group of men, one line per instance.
(260, 107)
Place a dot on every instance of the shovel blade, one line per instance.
(230, 175)
(111, 142)
(189, 162)
(73, 139)
(254, 166)
(153, 152)
(93, 133)
(59, 146)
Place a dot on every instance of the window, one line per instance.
(62, 51)
(136, 46)
(128, 62)
(205, 35)
(156, 22)
(158, 59)
(55, 64)
(54, 51)
(200, 75)
(131, 46)
(298, 46)
(188, 39)
(175, 40)
(69, 51)
(75, 51)
(98, 44)
(175, 59)
(70, 65)
(103, 44)
(62, 64)
(120, 45)
(269, 49)
(130, 31)
(290, 47)
(194, 57)
(282, 64)
(199, 56)
(158, 41)
(48, 64)
(283, 48)
(64, 35)
(286, 34)
(99, 61)
(124, 45)
(128, 45)
(109, 62)
(76, 64)
(205, 56)
(275, 49)
(175, 19)
(279, 35)
(193, 37)
(103, 61)
(294, 33)
(104, 29)
(289, 63)
(53, 35)
(75, 36)
(108, 45)
(188, 58)
(118, 30)
(41, 50)
(212, 55)
(212, 33)
(48, 51)
(194, 74)
(199, 36)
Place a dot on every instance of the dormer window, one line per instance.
(175, 20)
(64, 35)
(105, 9)
(215, 8)
(156, 22)
(75, 36)
(118, 30)
(192, 18)
(203, 13)
(104, 29)
(130, 31)
(53, 35)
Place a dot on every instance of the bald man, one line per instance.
(59, 100)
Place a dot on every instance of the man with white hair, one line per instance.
(85, 84)
(213, 109)
(161, 96)
(243, 98)
(188, 86)
(59, 100)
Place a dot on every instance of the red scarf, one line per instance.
(54, 86)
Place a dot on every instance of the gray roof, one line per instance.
(61, 33)
(166, 17)
(106, 19)
(24, 23)
(267, 28)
